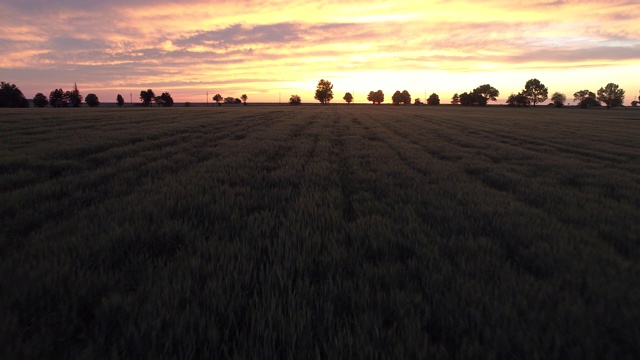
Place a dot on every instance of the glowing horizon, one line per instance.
(282, 48)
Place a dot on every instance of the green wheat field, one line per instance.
(329, 232)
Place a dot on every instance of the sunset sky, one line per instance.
(266, 48)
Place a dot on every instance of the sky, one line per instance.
(272, 49)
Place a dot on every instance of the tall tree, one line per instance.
(244, 98)
(120, 100)
(581, 95)
(147, 97)
(455, 99)
(433, 99)
(217, 98)
(487, 92)
(558, 99)
(348, 98)
(12, 96)
(376, 97)
(406, 97)
(75, 99)
(58, 98)
(324, 91)
(397, 97)
(164, 100)
(92, 100)
(611, 95)
(535, 91)
(585, 99)
(40, 100)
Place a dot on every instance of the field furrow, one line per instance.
(336, 231)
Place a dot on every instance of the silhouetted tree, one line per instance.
(397, 97)
(68, 95)
(455, 99)
(92, 100)
(634, 103)
(229, 100)
(433, 99)
(466, 99)
(120, 100)
(11, 96)
(237, 101)
(401, 97)
(519, 100)
(295, 100)
(376, 97)
(348, 98)
(244, 98)
(611, 95)
(535, 91)
(586, 99)
(473, 98)
(75, 99)
(147, 97)
(487, 92)
(58, 98)
(40, 100)
(581, 95)
(417, 102)
(165, 100)
(217, 98)
(558, 99)
(324, 91)
(406, 97)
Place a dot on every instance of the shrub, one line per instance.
(295, 100)
(92, 100)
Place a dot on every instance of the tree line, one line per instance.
(230, 99)
(11, 96)
(533, 93)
